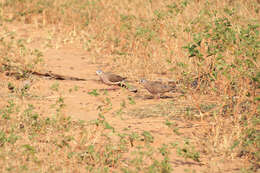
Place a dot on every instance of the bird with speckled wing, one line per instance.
(157, 88)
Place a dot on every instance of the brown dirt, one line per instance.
(71, 60)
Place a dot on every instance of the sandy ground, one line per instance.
(144, 115)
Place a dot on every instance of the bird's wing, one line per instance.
(158, 87)
(114, 78)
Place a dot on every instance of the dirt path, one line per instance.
(137, 116)
(121, 108)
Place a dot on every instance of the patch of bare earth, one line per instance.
(125, 111)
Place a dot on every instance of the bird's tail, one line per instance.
(126, 85)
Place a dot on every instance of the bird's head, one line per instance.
(142, 81)
(99, 72)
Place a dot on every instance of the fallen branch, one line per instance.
(47, 74)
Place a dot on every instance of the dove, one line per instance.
(113, 79)
(157, 88)
(110, 78)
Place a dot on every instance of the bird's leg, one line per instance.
(114, 87)
(117, 86)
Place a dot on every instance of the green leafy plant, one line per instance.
(93, 92)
